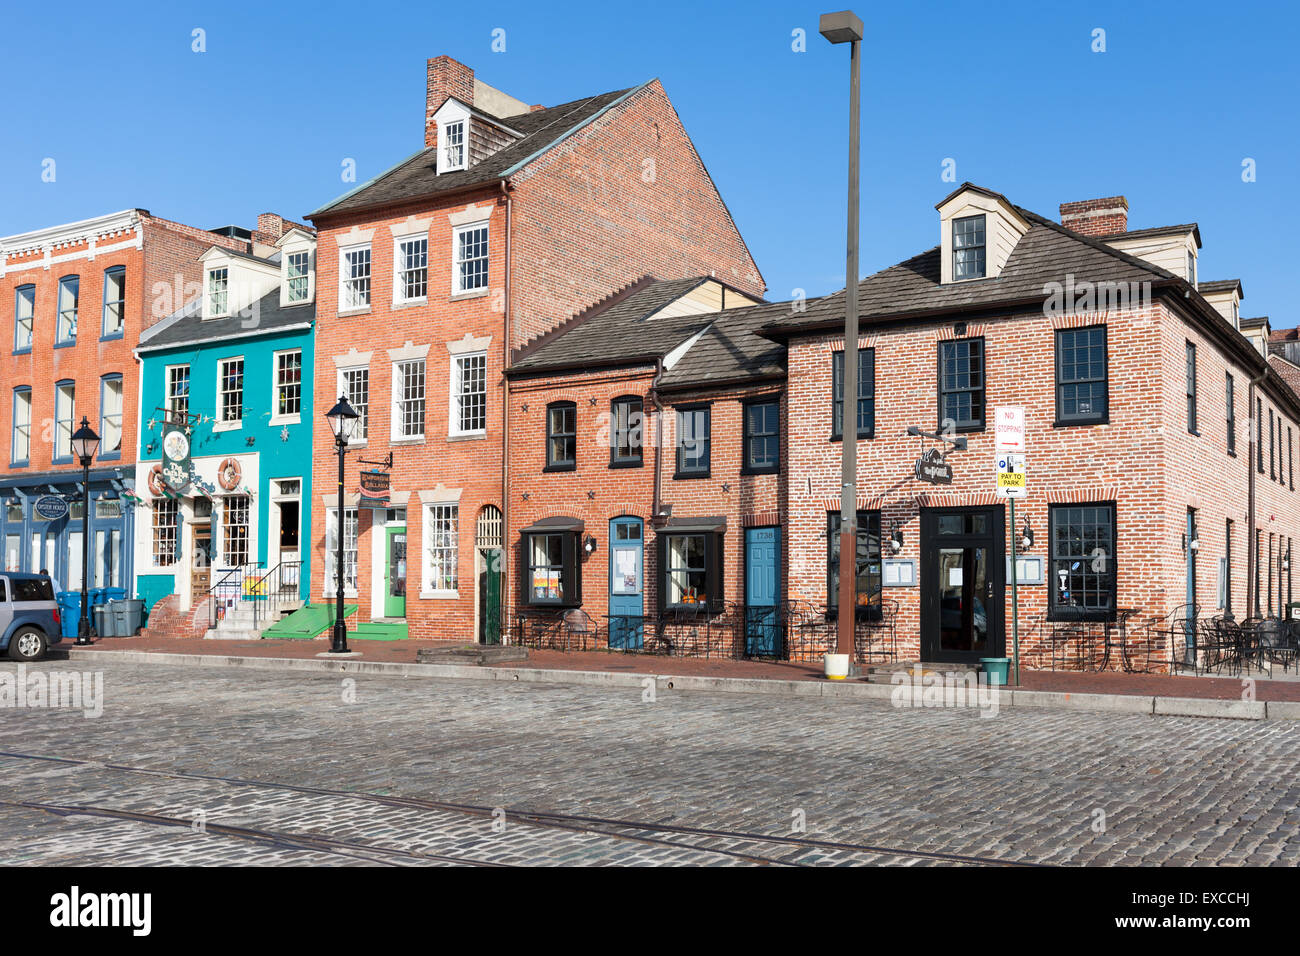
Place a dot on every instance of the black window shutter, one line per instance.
(525, 584)
(716, 577)
(661, 553)
(571, 574)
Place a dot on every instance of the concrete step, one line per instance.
(884, 673)
(472, 654)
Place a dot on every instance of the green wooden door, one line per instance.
(395, 592)
(489, 589)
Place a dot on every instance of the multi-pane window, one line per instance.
(1272, 449)
(968, 247)
(354, 385)
(298, 276)
(165, 516)
(762, 437)
(1230, 401)
(110, 415)
(1227, 567)
(234, 530)
(20, 448)
(1259, 445)
(866, 393)
(961, 384)
(441, 546)
(469, 393)
(693, 441)
(65, 410)
(230, 382)
(1191, 388)
(412, 269)
(69, 296)
(627, 417)
(354, 274)
(688, 570)
(552, 568)
(1081, 375)
(218, 291)
(288, 383)
(408, 413)
(114, 301)
(178, 393)
(24, 313)
(453, 145)
(867, 592)
(1081, 575)
(471, 265)
(329, 585)
(561, 436)
(1290, 459)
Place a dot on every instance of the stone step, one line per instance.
(471, 654)
(884, 673)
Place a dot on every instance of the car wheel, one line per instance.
(27, 644)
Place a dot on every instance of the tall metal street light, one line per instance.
(342, 418)
(845, 27)
(85, 443)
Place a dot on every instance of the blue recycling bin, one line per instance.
(114, 594)
(97, 597)
(69, 612)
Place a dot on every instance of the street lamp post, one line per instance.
(84, 445)
(845, 27)
(342, 418)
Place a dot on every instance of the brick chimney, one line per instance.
(447, 77)
(1096, 217)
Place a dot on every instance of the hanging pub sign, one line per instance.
(176, 463)
(932, 467)
(51, 507)
(375, 484)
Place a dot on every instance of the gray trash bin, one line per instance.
(128, 616)
(102, 620)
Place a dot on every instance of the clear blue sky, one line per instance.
(1012, 91)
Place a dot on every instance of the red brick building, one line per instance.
(1160, 441)
(511, 219)
(75, 298)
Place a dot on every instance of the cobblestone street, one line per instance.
(221, 766)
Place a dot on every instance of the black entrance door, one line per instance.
(963, 575)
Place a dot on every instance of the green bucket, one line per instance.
(996, 668)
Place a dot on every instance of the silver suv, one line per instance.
(29, 615)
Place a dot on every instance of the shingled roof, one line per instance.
(417, 176)
(188, 327)
(731, 351)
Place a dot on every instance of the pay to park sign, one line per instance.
(1011, 480)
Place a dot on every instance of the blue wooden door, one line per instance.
(626, 583)
(762, 624)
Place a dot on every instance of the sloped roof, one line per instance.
(417, 176)
(731, 351)
(1152, 232)
(188, 327)
(1221, 285)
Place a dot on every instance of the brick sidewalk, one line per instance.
(1210, 688)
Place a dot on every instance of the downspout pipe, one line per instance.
(1252, 551)
(506, 189)
(656, 507)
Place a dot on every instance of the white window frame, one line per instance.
(310, 275)
(399, 283)
(63, 453)
(23, 428)
(434, 513)
(229, 504)
(167, 387)
(173, 507)
(107, 416)
(293, 418)
(208, 276)
(445, 162)
(221, 424)
(396, 424)
(457, 288)
(344, 278)
(329, 585)
(364, 408)
(456, 393)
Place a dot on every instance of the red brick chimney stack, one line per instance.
(447, 77)
(1096, 217)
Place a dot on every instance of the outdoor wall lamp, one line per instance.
(896, 539)
(1026, 537)
(589, 544)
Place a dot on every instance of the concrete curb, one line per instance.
(1101, 703)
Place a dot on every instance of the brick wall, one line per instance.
(1096, 217)
(446, 77)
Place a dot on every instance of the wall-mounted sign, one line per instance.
(51, 507)
(1011, 479)
(176, 457)
(375, 484)
(1029, 569)
(898, 573)
(1009, 428)
(933, 468)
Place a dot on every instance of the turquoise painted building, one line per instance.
(227, 411)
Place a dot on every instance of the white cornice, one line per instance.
(71, 233)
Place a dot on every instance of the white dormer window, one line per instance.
(1191, 268)
(453, 145)
(219, 291)
(968, 247)
(297, 276)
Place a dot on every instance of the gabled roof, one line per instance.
(416, 177)
(1154, 231)
(187, 326)
(731, 351)
(1221, 285)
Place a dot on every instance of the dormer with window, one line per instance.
(297, 267)
(232, 283)
(453, 120)
(978, 228)
(1225, 295)
(1174, 248)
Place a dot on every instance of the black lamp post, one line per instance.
(342, 418)
(84, 445)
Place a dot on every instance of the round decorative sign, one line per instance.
(51, 507)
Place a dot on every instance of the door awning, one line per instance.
(686, 525)
(555, 523)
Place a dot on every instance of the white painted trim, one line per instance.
(441, 495)
(411, 227)
(470, 343)
(453, 395)
(352, 359)
(408, 352)
(343, 250)
(49, 260)
(456, 288)
(470, 214)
